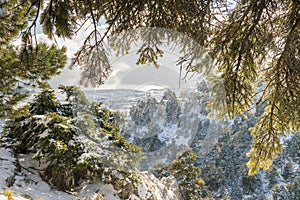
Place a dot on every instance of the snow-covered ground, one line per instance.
(21, 177)
(28, 183)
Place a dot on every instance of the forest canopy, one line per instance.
(255, 45)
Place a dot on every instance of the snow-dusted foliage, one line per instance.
(221, 147)
(162, 127)
(172, 107)
(72, 141)
(29, 185)
(187, 173)
(77, 143)
(225, 173)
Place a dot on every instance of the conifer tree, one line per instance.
(288, 170)
(294, 189)
(70, 148)
(188, 174)
(45, 102)
(173, 109)
(272, 176)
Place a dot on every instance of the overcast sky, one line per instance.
(126, 74)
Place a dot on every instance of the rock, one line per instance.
(152, 188)
(171, 184)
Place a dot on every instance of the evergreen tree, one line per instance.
(212, 175)
(173, 109)
(287, 191)
(188, 175)
(294, 189)
(272, 175)
(288, 170)
(280, 192)
(249, 183)
(45, 102)
(143, 112)
(75, 99)
(72, 148)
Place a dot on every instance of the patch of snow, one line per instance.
(285, 138)
(182, 141)
(2, 197)
(265, 183)
(107, 191)
(143, 191)
(44, 134)
(168, 134)
(6, 165)
(1, 125)
(150, 185)
(133, 197)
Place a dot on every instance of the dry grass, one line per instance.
(8, 194)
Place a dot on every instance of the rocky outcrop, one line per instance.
(152, 188)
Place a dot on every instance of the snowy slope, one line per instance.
(28, 184)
